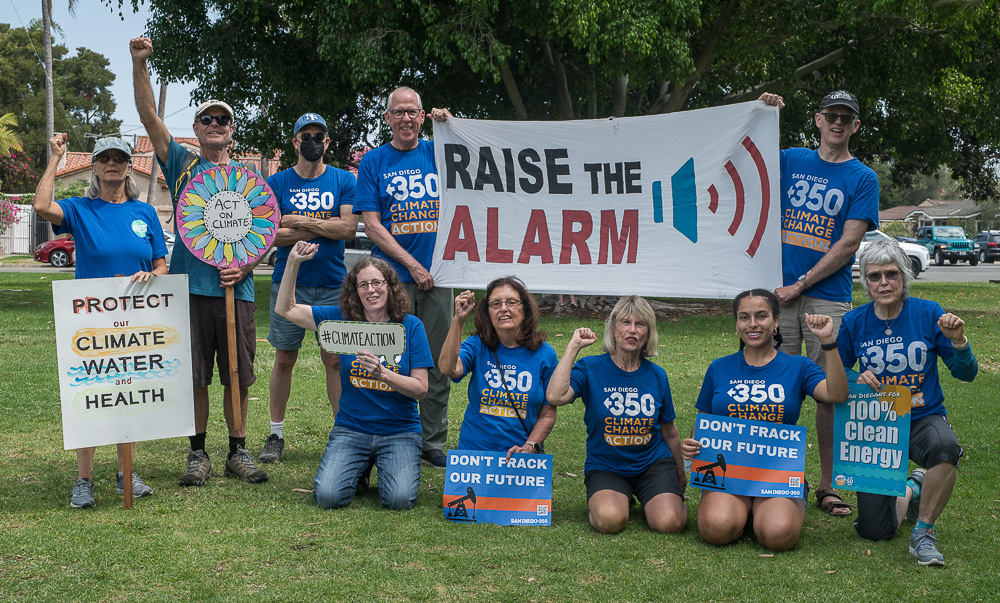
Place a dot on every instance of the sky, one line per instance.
(98, 27)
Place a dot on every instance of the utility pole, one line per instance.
(39, 230)
(154, 171)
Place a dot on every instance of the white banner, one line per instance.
(124, 359)
(677, 205)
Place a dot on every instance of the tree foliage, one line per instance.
(83, 101)
(926, 71)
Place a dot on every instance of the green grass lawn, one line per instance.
(230, 540)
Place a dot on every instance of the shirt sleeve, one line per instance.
(417, 346)
(467, 354)
(704, 403)
(366, 190)
(547, 366)
(578, 379)
(69, 217)
(667, 413)
(348, 189)
(158, 243)
(811, 374)
(864, 206)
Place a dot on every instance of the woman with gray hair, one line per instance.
(897, 339)
(115, 234)
(633, 447)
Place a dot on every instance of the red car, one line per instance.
(58, 252)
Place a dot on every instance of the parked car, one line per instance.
(989, 245)
(920, 259)
(948, 243)
(907, 240)
(354, 249)
(58, 252)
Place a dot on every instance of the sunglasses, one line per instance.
(222, 120)
(845, 118)
(116, 157)
(399, 113)
(318, 137)
(890, 275)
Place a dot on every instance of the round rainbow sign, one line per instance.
(227, 216)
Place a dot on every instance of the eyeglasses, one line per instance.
(116, 157)
(511, 303)
(376, 284)
(845, 118)
(222, 120)
(890, 275)
(318, 136)
(399, 113)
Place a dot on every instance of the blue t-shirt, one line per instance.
(320, 198)
(203, 279)
(817, 198)
(368, 405)
(112, 239)
(402, 186)
(773, 392)
(490, 422)
(906, 357)
(623, 413)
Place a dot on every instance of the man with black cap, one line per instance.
(213, 125)
(829, 200)
(316, 202)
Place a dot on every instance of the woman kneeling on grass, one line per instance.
(625, 397)
(777, 522)
(377, 421)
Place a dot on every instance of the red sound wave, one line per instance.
(765, 194)
(713, 194)
(738, 185)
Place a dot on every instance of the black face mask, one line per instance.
(311, 150)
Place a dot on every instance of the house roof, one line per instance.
(900, 212)
(966, 208)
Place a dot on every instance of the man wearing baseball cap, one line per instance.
(829, 200)
(316, 202)
(213, 125)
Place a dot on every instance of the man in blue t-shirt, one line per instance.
(398, 198)
(316, 202)
(213, 125)
(829, 200)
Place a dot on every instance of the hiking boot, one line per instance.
(241, 465)
(434, 457)
(198, 470)
(273, 446)
(923, 546)
(83, 494)
(913, 509)
(139, 488)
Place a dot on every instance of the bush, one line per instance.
(10, 214)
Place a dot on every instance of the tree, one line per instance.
(8, 139)
(926, 71)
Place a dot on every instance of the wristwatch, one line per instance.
(534, 445)
(802, 279)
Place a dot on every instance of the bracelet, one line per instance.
(963, 345)
(829, 346)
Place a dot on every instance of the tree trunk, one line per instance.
(512, 92)
(619, 89)
(565, 106)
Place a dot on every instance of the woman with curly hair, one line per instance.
(378, 420)
(510, 365)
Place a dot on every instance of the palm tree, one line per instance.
(8, 139)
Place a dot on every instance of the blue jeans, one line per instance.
(348, 453)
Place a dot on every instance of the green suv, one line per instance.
(948, 243)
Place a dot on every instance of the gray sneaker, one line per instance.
(273, 446)
(198, 470)
(913, 509)
(923, 546)
(241, 465)
(83, 494)
(139, 488)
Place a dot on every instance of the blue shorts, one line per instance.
(285, 335)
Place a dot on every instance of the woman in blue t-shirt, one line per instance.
(510, 365)
(377, 421)
(761, 383)
(115, 235)
(633, 447)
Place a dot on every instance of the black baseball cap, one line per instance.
(841, 97)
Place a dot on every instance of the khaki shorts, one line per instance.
(793, 327)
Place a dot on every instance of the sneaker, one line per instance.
(434, 457)
(923, 546)
(198, 470)
(917, 477)
(83, 494)
(273, 446)
(241, 465)
(139, 488)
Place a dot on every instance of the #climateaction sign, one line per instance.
(871, 440)
(124, 353)
(683, 204)
(486, 487)
(385, 339)
(749, 458)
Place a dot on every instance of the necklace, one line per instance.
(888, 325)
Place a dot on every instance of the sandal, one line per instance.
(831, 506)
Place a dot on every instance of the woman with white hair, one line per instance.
(633, 447)
(115, 235)
(898, 339)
